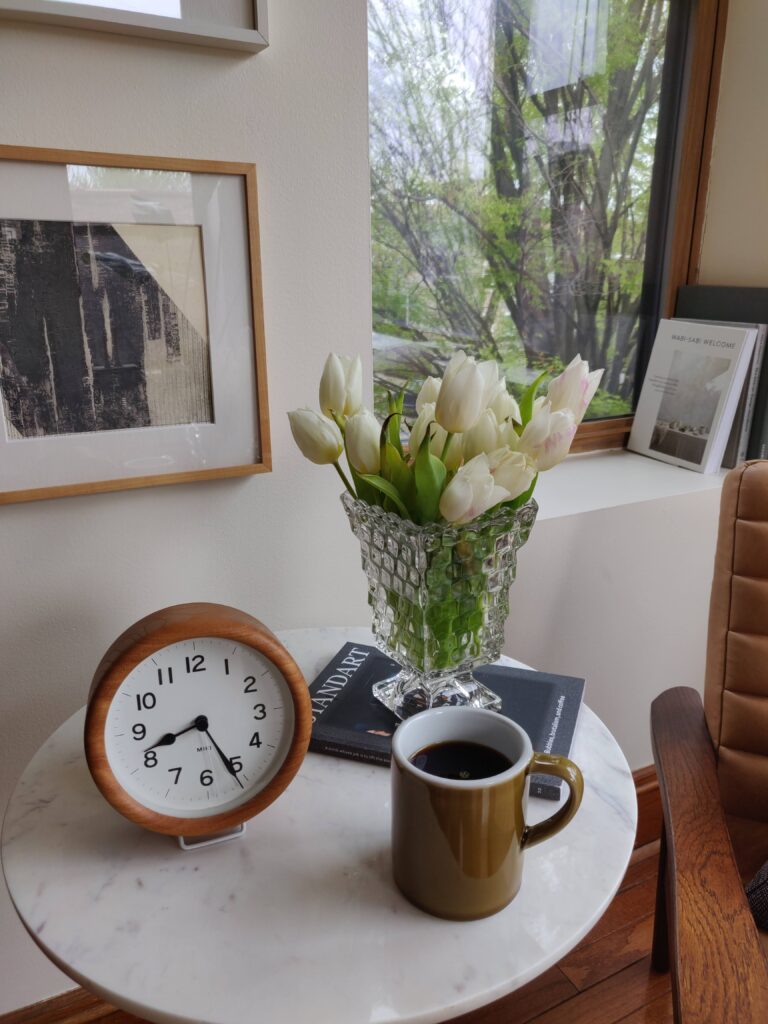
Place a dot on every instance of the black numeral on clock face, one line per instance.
(169, 670)
(150, 758)
(145, 700)
(178, 773)
(237, 763)
(255, 741)
(206, 778)
(196, 663)
(259, 711)
(250, 684)
(139, 731)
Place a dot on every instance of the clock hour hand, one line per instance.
(170, 737)
(224, 758)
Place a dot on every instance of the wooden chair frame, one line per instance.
(703, 927)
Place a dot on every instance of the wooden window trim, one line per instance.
(705, 57)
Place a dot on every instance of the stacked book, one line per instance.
(704, 400)
(348, 721)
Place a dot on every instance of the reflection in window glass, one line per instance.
(512, 146)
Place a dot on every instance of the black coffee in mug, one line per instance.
(460, 760)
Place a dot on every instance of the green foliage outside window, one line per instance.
(512, 146)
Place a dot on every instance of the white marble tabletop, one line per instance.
(299, 918)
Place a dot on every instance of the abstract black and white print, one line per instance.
(102, 327)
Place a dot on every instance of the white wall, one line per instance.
(736, 226)
(76, 571)
(619, 594)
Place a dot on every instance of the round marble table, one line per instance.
(299, 919)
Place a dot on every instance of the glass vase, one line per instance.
(440, 598)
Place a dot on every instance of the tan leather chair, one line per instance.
(712, 762)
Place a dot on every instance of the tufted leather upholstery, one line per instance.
(736, 686)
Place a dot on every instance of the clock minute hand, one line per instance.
(170, 737)
(224, 758)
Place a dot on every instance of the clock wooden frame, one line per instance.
(151, 634)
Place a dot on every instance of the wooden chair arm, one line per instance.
(719, 969)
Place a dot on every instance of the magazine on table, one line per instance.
(348, 721)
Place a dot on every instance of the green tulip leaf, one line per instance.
(528, 397)
(393, 420)
(388, 489)
(402, 478)
(365, 491)
(429, 474)
(383, 442)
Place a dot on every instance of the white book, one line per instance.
(690, 393)
(738, 438)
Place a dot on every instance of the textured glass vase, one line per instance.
(440, 598)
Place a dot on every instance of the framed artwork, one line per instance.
(231, 24)
(131, 326)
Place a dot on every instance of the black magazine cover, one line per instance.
(348, 721)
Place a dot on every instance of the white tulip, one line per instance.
(547, 437)
(471, 492)
(483, 437)
(426, 420)
(512, 470)
(430, 389)
(318, 438)
(575, 388)
(341, 385)
(503, 404)
(509, 436)
(460, 400)
(489, 371)
(362, 435)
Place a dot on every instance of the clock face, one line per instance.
(199, 727)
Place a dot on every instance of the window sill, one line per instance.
(607, 479)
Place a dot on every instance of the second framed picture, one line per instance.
(131, 325)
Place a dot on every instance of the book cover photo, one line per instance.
(348, 721)
(690, 393)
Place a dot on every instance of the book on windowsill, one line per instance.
(738, 440)
(348, 721)
(725, 302)
(690, 393)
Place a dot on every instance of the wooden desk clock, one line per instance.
(198, 718)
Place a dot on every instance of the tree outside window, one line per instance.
(512, 147)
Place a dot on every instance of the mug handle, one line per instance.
(562, 768)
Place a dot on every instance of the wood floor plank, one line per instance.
(658, 1012)
(120, 1017)
(640, 870)
(629, 904)
(75, 1007)
(611, 1000)
(548, 990)
(587, 965)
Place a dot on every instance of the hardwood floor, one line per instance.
(606, 979)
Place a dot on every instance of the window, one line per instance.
(515, 206)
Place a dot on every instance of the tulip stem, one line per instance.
(344, 479)
(448, 440)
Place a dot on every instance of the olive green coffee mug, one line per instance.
(457, 844)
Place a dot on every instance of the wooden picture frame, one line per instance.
(184, 28)
(195, 407)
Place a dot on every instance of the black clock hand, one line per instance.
(224, 758)
(170, 737)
